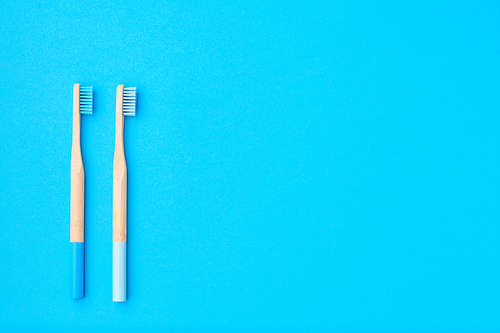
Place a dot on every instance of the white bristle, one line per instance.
(129, 101)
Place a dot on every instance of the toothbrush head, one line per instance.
(129, 101)
(86, 99)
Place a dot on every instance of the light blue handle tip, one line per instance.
(119, 271)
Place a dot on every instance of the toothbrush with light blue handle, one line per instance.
(125, 106)
(82, 104)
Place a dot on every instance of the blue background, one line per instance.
(316, 166)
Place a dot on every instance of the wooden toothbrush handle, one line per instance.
(119, 201)
(119, 176)
(77, 175)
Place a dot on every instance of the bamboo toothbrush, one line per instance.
(125, 106)
(82, 104)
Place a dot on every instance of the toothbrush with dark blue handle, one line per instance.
(82, 104)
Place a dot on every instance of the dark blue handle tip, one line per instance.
(78, 258)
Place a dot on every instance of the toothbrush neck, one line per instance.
(119, 130)
(119, 149)
(76, 129)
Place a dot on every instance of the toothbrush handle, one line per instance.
(77, 196)
(77, 230)
(120, 231)
(77, 225)
(119, 207)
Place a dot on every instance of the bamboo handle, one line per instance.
(77, 175)
(119, 176)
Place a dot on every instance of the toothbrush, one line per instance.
(125, 106)
(82, 104)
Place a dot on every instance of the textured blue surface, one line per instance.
(315, 166)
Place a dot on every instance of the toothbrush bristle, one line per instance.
(86, 99)
(129, 101)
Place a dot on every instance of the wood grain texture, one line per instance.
(119, 175)
(77, 197)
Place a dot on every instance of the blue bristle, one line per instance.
(129, 101)
(86, 99)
